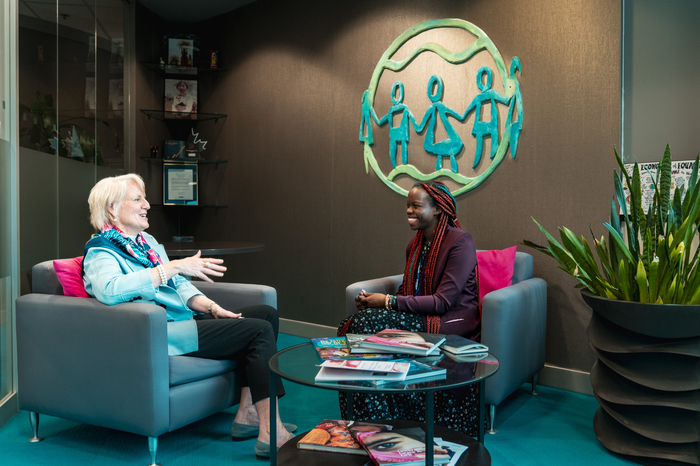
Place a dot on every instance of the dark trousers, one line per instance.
(251, 340)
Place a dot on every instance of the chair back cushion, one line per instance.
(522, 270)
(70, 276)
(495, 269)
(45, 280)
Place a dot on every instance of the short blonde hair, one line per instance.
(108, 194)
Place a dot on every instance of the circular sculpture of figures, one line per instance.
(437, 125)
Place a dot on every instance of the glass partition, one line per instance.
(8, 208)
(72, 80)
(71, 96)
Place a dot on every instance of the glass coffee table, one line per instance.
(299, 364)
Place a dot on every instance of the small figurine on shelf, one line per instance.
(214, 59)
(154, 152)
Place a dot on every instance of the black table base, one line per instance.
(290, 455)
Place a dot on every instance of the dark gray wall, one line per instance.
(661, 95)
(296, 180)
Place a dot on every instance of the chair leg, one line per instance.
(534, 386)
(34, 422)
(492, 417)
(153, 449)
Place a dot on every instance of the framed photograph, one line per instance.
(180, 98)
(180, 184)
(182, 52)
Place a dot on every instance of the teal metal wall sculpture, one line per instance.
(438, 112)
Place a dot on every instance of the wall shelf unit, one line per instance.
(177, 70)
(162, 115)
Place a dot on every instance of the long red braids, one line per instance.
(445, 202)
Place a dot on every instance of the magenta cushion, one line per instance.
(495, 269)
(68, 271)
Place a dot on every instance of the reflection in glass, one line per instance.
(71, 80)
(7, 198)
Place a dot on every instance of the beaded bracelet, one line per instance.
(163, 277)
(389, 302)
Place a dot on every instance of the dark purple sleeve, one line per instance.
(461, 261)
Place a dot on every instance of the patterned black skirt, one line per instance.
(456, 410)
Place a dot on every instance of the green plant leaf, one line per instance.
(558, 252)
(653, 284)
(542, 249)
(642, 283)
(615, 236)
(631, 234)
(615, 253)
(692, 183)
(625, 285)
(664, 184)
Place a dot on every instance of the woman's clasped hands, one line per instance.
(366, 300)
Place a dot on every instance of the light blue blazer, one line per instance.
(112, 279)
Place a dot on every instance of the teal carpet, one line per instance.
(554, 428)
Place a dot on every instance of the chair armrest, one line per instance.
(233, 296)
(513, 326)
(103, 365)
(385, 285)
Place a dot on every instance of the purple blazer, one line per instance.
(454, 283)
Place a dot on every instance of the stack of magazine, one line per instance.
(376, 357)
(383, 444)
(337, 370)
(404, 342)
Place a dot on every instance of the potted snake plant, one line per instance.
(644, 290)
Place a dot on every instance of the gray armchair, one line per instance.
(108, 366)
(513, 326)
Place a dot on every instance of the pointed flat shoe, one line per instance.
(245, 431)
(262, 449)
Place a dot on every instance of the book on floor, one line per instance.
(337, 348)
(334, 370)
(422, 369)
(456, 344)
(403, 341)
(331, 435)
(400, 446)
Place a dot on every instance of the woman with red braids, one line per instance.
(438, 295)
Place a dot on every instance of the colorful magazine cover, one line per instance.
(331, 435)
(336, 348)
(405, 447)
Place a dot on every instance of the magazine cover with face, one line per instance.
(400, 446)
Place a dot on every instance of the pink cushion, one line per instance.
(495, 269)
(68, 271)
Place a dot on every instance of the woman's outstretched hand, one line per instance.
(200, 267)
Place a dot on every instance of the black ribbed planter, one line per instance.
(646, 379)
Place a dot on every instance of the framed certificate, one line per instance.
(180, 184)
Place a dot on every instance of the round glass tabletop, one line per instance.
(300, 364)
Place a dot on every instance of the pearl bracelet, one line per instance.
(210, 310)
(163, 277)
